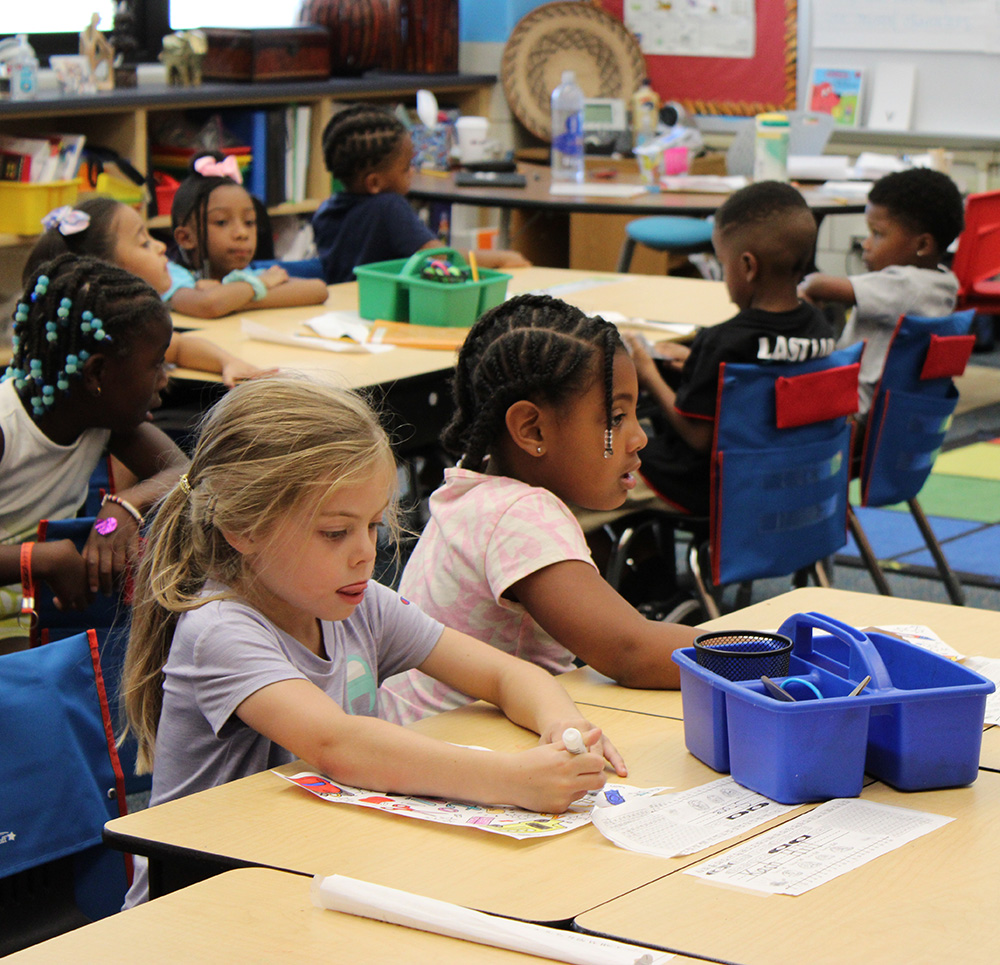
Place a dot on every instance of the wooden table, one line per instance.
(933, 900)
(582, 230)
(254, 915)
(665, 299)
(262, 820)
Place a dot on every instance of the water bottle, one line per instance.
(567, 130)
(22, 66)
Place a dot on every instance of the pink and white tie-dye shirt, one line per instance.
(485, 533)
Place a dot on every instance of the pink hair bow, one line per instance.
(228, 167)
(68, 220)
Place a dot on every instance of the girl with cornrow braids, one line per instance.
(88, 366)
(369, 151)
(215, 225)
(545, 418)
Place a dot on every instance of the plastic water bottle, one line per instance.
(22, 65)
(770, 157)
(567, 130)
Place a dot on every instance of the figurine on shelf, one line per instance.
(183, 53)
(100, 55)
(126, 44)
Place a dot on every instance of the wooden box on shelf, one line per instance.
(292, 53)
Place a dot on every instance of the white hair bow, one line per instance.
(69, 221)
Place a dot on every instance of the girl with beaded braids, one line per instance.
(545, 416)
(112, 231)
(88, 365)
(214, 221)
(369, 151)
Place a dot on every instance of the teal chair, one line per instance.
(671, 233)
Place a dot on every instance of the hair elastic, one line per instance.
(805, 683)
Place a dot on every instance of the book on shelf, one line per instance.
(837, 91)
(40, 160)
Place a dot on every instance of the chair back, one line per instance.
(780, 465)
(977, 258)
(61, 781)
(912, 405)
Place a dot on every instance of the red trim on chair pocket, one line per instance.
(816, 396)
(947, 356)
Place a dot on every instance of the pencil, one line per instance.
(473, 266)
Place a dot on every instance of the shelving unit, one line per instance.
(122, 119)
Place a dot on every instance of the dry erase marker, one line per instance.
(573, 740)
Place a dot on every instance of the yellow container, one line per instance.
(22, 206)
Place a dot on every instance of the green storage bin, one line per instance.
(394, 291)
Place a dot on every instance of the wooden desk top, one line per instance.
(264, 820)
(255, 915)
(535, 194)
(933, 900)
(666, 299)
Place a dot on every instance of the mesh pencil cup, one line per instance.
(743, 654)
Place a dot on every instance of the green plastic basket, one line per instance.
(394, 291)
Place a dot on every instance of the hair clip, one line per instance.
(609, 449)
(228, 167)
(184, 484)
(69, 221)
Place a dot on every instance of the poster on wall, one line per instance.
(696, 28)
(717, 56)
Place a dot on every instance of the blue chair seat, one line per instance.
(672, 233)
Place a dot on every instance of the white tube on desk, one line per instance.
(355, 897)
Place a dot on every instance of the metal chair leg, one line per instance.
(625, 258)
(707, 599)
(865, 548)
(954, 588)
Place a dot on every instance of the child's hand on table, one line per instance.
(549, 779)
(593, 739)
(236, 370)
(274, 276)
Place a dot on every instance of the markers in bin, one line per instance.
(442, 270)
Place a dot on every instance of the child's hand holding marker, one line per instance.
(588, 740)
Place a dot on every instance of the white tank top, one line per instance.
(39, 479)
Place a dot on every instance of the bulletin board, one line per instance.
(744, 86)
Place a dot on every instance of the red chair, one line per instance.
(910, 414)
(977, 260)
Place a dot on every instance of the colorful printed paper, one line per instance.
(506, 819)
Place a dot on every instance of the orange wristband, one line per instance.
(27, 583)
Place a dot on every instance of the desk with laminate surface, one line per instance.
(263, 820)
(934, 899)
(665, 299)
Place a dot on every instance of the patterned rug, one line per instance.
(962, 501)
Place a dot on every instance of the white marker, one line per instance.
(573, 740)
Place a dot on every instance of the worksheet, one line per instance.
(988, 667)
(817, 847)
(687, 821)
(506, 819)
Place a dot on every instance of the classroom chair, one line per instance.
(61, 781)
(108, 617)
(977, 259)
(780, 463)
(675, 234)
(910, 414)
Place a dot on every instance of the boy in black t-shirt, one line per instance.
(764, 238)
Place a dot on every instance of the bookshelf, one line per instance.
(121, 119)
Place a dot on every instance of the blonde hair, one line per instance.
(271, 446)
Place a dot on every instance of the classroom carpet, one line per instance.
(961, 499)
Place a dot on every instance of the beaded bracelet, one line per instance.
(125, 504)
(244, 274)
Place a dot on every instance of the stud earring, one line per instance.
(539, 450)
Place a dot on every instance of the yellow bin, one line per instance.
(23, 205)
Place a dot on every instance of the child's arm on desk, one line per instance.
(697, 433)
(194, 352)
(818, 287)
(372, 753)
(214, 299)
(600, 627)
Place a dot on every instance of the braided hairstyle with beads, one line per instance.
(72, 307)
(530, 347)
(190, 207)
(358, 139)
